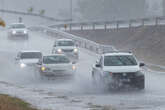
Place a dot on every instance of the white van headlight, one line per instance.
(22, 65)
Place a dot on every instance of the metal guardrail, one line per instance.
(109, 24)
(33, 14)
(81, 42)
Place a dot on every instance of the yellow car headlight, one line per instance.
(43, 68)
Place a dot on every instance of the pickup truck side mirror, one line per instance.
(141, 64)
(98, 65)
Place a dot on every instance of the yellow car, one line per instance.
(2, 23)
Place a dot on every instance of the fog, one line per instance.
(155, 7)
(51, 7)
(61, 8)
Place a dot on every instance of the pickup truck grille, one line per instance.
(124, 75)
(67, 50)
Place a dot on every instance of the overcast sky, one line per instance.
(53, 7)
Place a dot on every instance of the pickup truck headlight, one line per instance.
(75, 50)
(13, 32)
(25, 32)
(22, 65)
(73, 67)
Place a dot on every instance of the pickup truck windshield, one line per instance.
(124, 60)
(55, 60)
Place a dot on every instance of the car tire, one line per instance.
(97, 80)
(140, 83)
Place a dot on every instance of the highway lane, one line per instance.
(77, 93)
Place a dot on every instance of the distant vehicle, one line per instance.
(67, 47)
(18, 30)
(28, 58)
(118, 69)
(55, 65)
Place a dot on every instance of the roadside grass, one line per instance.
(13, 103)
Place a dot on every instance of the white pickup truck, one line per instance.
(118, 69)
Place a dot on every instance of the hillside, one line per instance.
(148, 43)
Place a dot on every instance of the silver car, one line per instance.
(18, 30)
(67, 47)
(27, 58)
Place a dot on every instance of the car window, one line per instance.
(65, 43)
(124, 60)
(30, 55)
(17, 26)
(55, 59)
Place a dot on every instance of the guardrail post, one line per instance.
(93, 26)
(156, 21)
(143, 21)
(81, 27)
(105, 26)
(130, 24)
(117, 25)
(70, 27)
